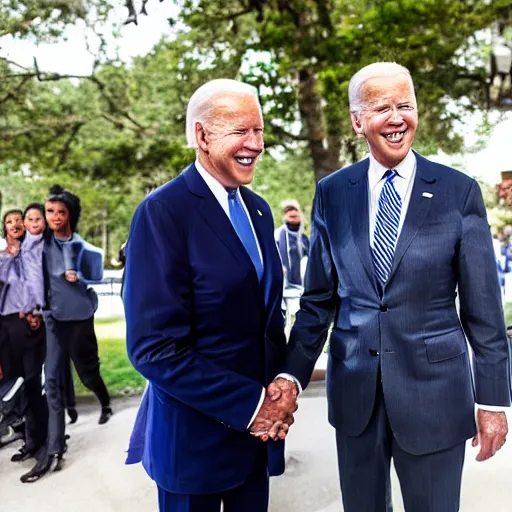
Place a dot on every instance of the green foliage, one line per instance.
(115, 135)
(290, 178)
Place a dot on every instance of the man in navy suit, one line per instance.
(202, 295)
(395, 237)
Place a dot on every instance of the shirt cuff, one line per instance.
(291, 378)
(260, 403)
(492, 408)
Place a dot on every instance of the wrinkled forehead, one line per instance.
(230, 107)
(388, 89)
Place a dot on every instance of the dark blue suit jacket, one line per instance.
(411, 328)
(205, 333)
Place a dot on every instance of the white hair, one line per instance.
(375, 70)
(202, 102)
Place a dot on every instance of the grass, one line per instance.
(508, 313)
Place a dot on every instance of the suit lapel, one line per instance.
(216, 217)
(357, 192)
(425, 181)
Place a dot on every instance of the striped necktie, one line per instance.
(386, 227)
(243, 228)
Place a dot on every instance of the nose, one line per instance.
(255, 141)
(396, 116)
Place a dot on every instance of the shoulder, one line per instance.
(350, 173)
(249, 195)
(277, 233)
(166, 199)
(454, 185)
(444, 172)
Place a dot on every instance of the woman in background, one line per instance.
(22, 336)
(69, 320)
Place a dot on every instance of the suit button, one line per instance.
(384, 308)
(373, 352)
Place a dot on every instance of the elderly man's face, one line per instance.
(389, 118)
(231, 143)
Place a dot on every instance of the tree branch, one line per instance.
(43, 125)
(67, 146)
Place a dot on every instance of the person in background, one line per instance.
(22, 336)
(69, 321)
(292, 242)
(32, 254)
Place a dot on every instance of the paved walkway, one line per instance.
(95, 479)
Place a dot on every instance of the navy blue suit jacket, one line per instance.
(205, 333)
(410, 329)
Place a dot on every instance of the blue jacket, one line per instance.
(71, 301)
(411, 331)
(205, 333)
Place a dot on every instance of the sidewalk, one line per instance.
(96, 479)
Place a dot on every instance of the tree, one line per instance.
(311, 48)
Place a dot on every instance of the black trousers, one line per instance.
(26, 350)
(76, 340)
(429, 483)
(251, 496)
(68, 385)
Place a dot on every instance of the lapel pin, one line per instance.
(427, 194)
(261, 214)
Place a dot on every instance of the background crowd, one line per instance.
(47, 319)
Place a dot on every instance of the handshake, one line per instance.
(276, 413)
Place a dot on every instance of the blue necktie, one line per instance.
(386, 228)
(242, 225)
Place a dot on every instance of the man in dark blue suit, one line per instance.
(202, 295)
(395, 237)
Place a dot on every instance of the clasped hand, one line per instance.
(276, 413)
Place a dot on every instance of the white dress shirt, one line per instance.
(403, 183)
(221, 194)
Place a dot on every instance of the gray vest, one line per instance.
(66, 301)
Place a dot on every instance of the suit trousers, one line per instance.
(76, 340)
(26, 355)
(429, 483)
(251, 496)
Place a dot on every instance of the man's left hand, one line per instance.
(491, 435)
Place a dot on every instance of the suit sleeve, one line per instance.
(481, 309)
(318, 302)
(159, 309)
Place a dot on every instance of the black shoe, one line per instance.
(106, 413)
(73, 415)
(23, 455)
(42, 467)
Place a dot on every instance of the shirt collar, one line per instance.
(404, 169)
(213, 184)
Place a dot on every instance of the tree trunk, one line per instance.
(325, 150)
(104, 232)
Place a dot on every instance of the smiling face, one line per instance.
(388, 119)
(231, 141)
(34, 221)
(57, 216)
(13, 226)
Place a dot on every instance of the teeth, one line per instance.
(395, 136)
(245, 161)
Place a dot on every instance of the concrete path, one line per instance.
(95, 479)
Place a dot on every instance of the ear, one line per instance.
(201, 137)
(356, 124)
